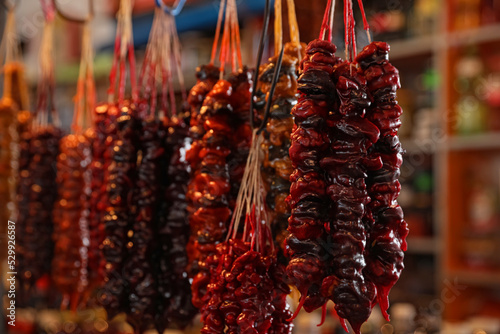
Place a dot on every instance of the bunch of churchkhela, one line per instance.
(347, 232)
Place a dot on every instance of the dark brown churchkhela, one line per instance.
(310, 144)
(139, 267)
(351, 135)
(36, 196)
(70, 271)
(387, 229)
(118, 219)
(105, 135)
(176, 309)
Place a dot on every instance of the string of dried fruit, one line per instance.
(277, 166)
(105, 135)
(387, 229)
(121, 177)
(142, 282)
(351, 136)
(173, 228)
(38, 191)
(37, 187)
(307, 243)
(70, 271)
(247, 293)
(8, 111)
(221, 153)
(119, 216)
(14, 99)
(174, 308)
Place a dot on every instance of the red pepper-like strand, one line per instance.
(119, 218)
(387, 228)
(70, 266)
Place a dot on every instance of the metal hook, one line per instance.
(175, 10)
(72, 19)
(263, 38)
(275, 80)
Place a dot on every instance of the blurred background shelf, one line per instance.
(422, 245)
(483, 141)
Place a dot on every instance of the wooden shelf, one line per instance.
(474, 142)
(412, 47)
(476, 277)
(474, 36)
(413, 146)
(422, 245)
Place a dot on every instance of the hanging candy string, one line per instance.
(292, 23)
(85, 93)
(236, 28)
(215, 44)
(326, 31)
(46, 85)
(123, 52)
(278, 29)
(366, 26)
(262, 41)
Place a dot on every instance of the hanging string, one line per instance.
(46, 85)
(85, 94)
(215, 44)
(123, 52)
(366, 26)
(237, 33)
(352, 30)
(262, 40)
(292, 23)
(346, 29)
(325, 27)
(332, 16)
(176, 46)
(278, 26)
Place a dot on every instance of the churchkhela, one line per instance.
(347, 233)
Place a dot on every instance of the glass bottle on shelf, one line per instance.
(471, 111)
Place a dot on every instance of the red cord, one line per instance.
(133, 77)
(366, 26)
(324, 24)
(353, 30)
(112, 73)
(217, 33)
(346, 29)
(122, 82)
(299, 307)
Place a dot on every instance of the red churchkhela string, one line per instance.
(324, 25)
(352, 29)
(112, 73)
(217, 32)
(366, 26)
(133, 78)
